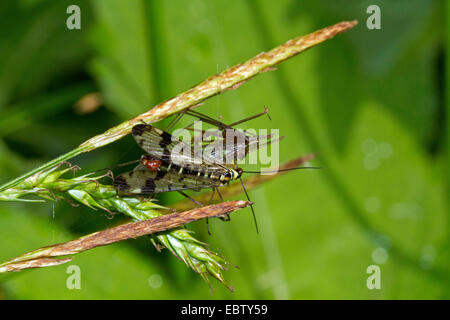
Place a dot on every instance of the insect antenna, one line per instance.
(251, 205)
(282, 170)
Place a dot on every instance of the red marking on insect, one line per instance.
(152, 165)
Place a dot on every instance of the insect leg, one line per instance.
(266, 111)
(197, 203)
(117, 166)
(222, 125)
(175, 120)
(210, 201)
(220, 195)
(193, 200)
(212, 195)
(251, 204)
(227, 216)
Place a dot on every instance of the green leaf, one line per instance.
(122, 64)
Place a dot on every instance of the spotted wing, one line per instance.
(239, 148)
(162, 145)
(150, 182)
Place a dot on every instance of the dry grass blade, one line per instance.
(32, 264)
(44, 257)
(87, 190)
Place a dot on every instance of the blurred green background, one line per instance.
(370, 103)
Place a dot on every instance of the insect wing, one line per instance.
(150, 182)
(237, 148)
(162, 145)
